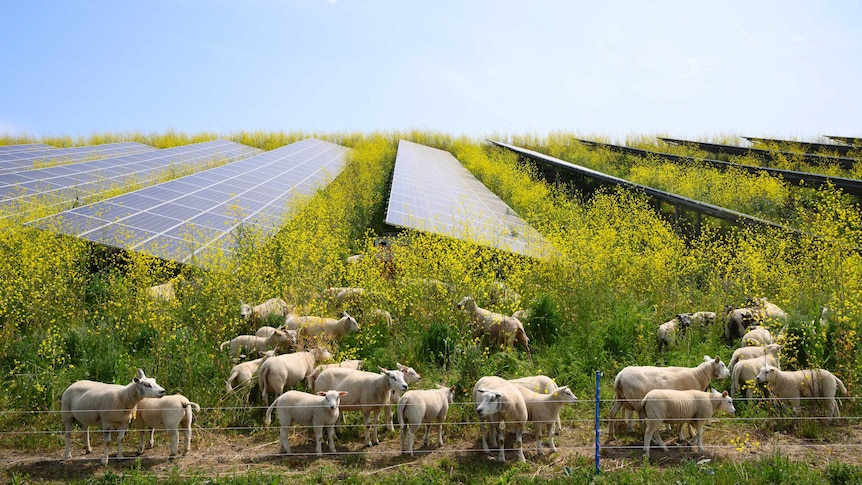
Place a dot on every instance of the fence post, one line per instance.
(598, 403)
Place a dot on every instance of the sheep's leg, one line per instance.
(318, 439)
(501, 456)
(152, 442)
(440, 433)
(68, 435)
(366, 417)
(331, 430)
(120, 434)
(519, 442)
(387, 416)
(482, 432)
(107, 436)
(699, 442)
(411, 436)
(141, 441)
(87, 448)
(187, 430)
(283, 438)
(427, 432)
(611, 418)
(549, 427)
(375, 415)
(175, 441)
(538, 430)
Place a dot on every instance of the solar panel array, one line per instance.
(23, 147)
(30, 159)
(191, 218)
(61, 186)
(433, 192)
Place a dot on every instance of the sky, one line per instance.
(789, 69)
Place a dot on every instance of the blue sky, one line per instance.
(686, 69)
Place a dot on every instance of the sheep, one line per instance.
(313, 328)
(757, 336)
(632, 383)
(500, 294)
(260, 313)
(522, 315)
(543, 385)
(746, 371)
(744, 353)
(107, 405)
(354, 259)
(543, 410)
(791, 385)
(369, 392)
(166, 291)
(738, 320)
(339, 296)
(169, 413)
(667, 331)
(675, 406)
(498, 327)
(702, 319)
(243, 373)
(265, 331)
(767, 309)
(349, 364)
(500, 403)
(378, 315)
(318, 411)
(287, 370)
(419, 407)
(410, 377)
(279, 339)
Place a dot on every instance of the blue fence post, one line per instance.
(598, 403)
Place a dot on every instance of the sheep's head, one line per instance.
(395, 379)
(564, 394)
(765, 372)
(245, 310)
(719, 370)
(147, 386)
(464, 302)
(410, 374)
(491, 402)
(352, 326)
(332, 398)
(684, 320)
(523, 339)
(725, 402)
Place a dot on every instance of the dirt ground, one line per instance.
(216, 453)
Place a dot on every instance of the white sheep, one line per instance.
(109, 406)
(279, 340)
(314, 328)
(792, 385)
(633, 383)
(369, 393)
(768, 310)
(349, 364)
(499, 328)
(543, 385)
(744, 374)
(378, 315)
(702, 319)
(757, 337)
(169, 413)
(738, 320)
(501, 403)
(751, 352)
(339, 296)
(681, 407)
(265, 331)
(410, 377)
(318, 411)
(243, 373)
(667, 331)
(418, 407)
(166, 291)
(287, 370)
(543, 410)
(354, 259)
(260, 313)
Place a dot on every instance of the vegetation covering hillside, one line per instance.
(70, 310)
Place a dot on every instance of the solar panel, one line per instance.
(433, 192)
(19, 161)
(63, 186)
(23, 147)
(193, 217)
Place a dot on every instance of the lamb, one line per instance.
(703, 319)
(369, 392)
(165, 291)
(767, 309)
(280, 339)
(318, 411)
(287, 370)
(667, 331)
(378, 315)
(410, 377)
(265, 331)
(744, 353)
(633, 383)
(169, 413)
(314, 328)
(500, 403)
(498, 327)
(423, 407)
(354, 259)
(758, 336)
(260, 313)
(543, 410)
(542, 385)
(349, 364)
(107, 405)
(746, 371)
(738, 320)
(791, 385)
(244, 372)
(690, 406)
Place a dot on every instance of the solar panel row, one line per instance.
(23, 147)
(63, 185)
(20, 161)
(189, 218)
(433, 192)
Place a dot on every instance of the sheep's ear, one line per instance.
(342, 393)
(321, 393)
(706, 358)
(383, 370)
(141, 374)
(724, 394)
(400, 366)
